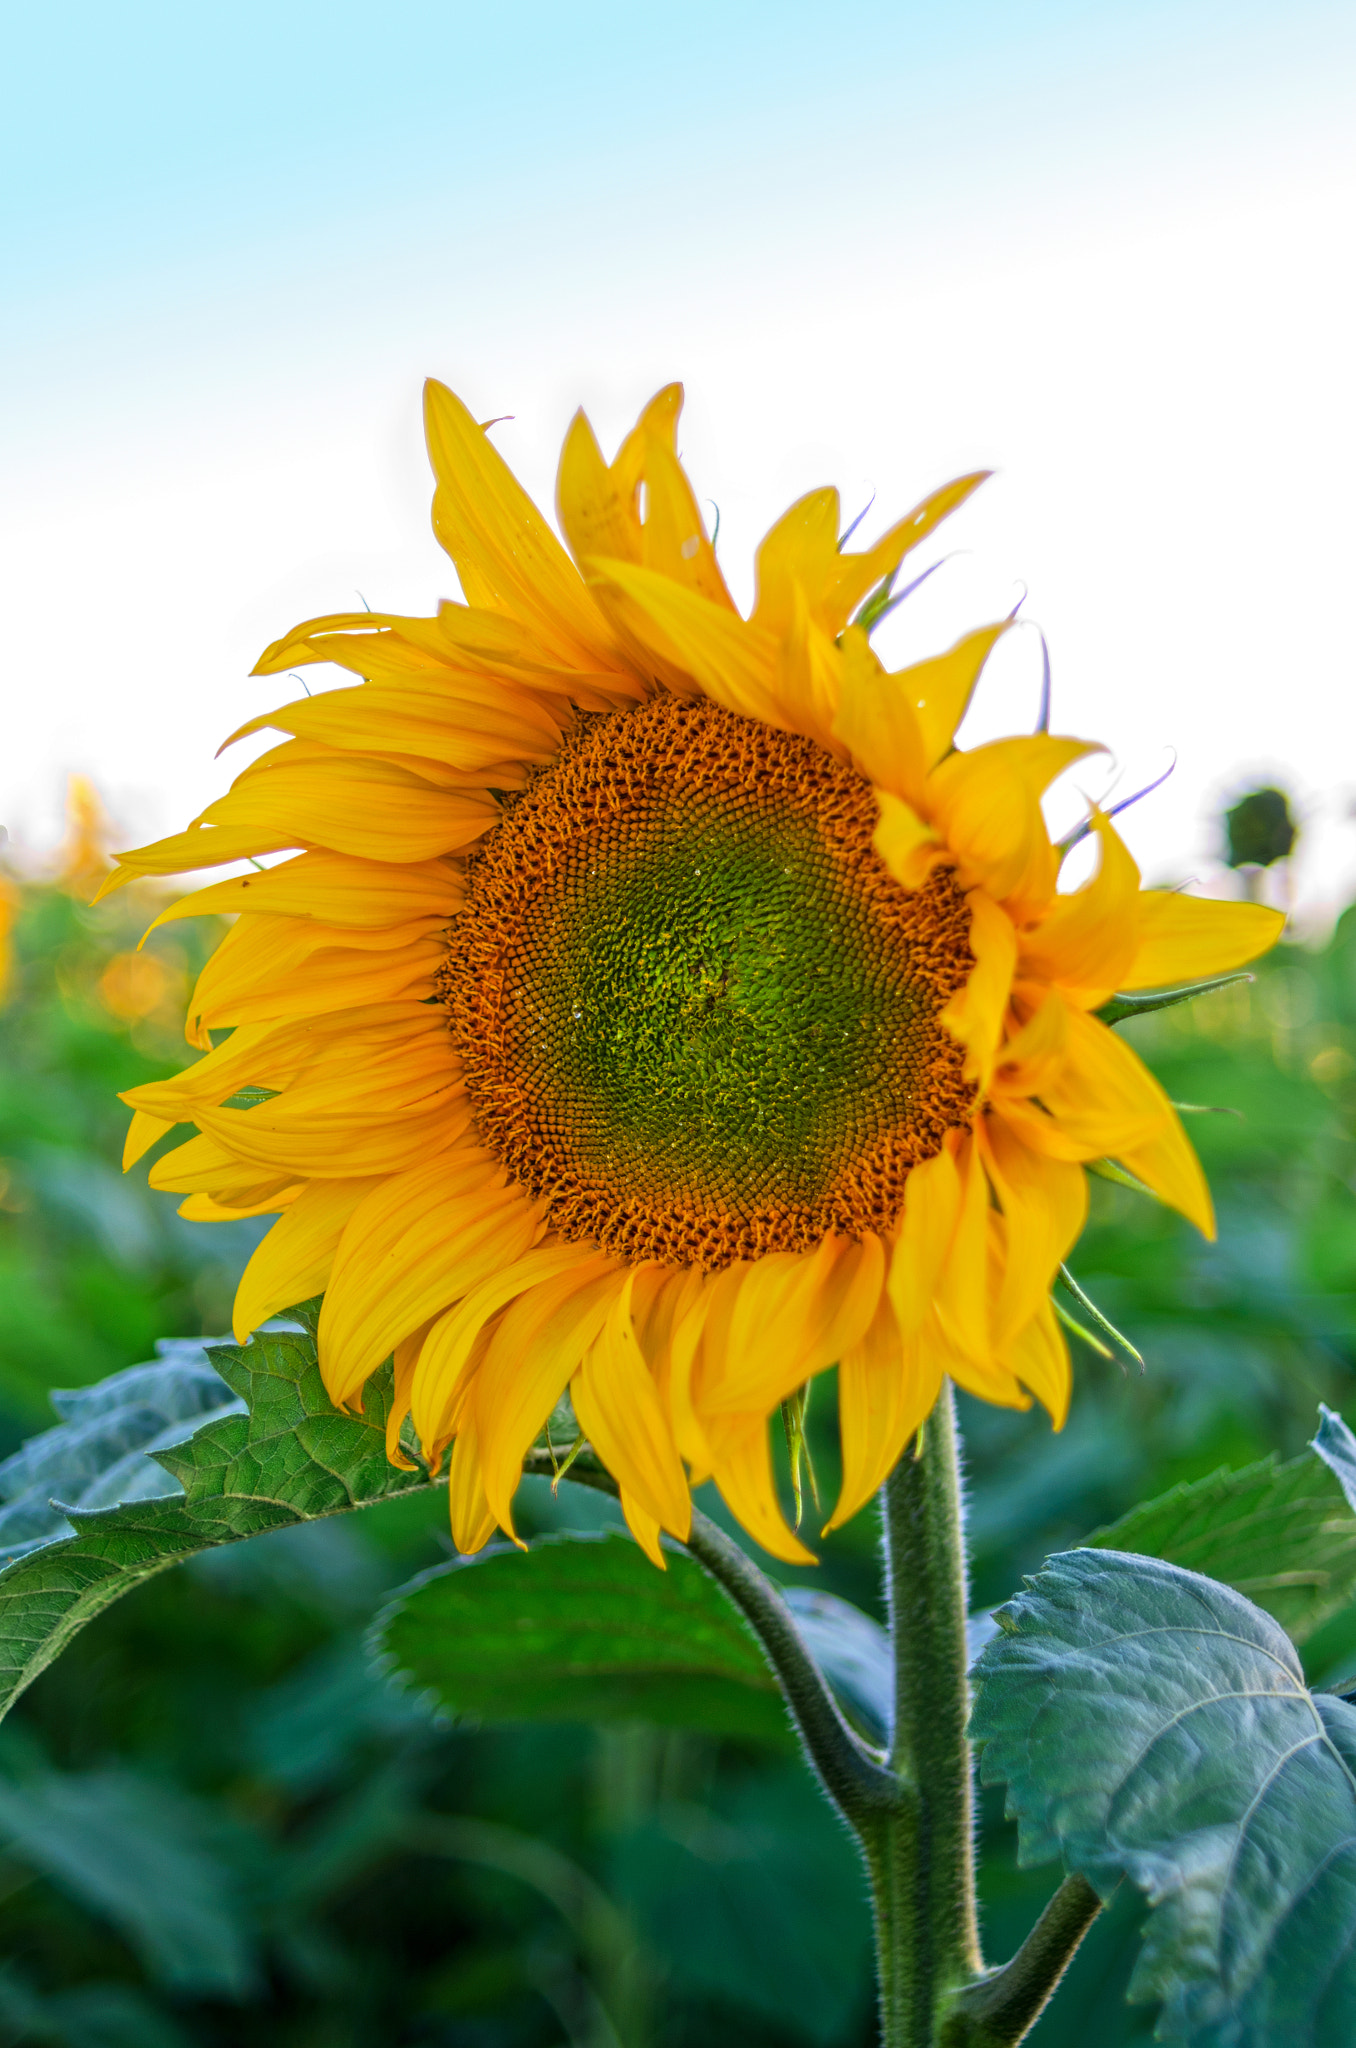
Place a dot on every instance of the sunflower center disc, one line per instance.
(697, 1015)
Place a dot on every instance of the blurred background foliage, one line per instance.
(218, 1826)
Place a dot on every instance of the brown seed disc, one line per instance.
(698, 1017)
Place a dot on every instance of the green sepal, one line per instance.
(1123, 1006)
(1119, 1176)
(249, 1098)
(1101, 1322)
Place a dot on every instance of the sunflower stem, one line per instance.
(865, 1792)
(921, 1859)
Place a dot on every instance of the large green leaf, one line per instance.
(103, 1450)
(1150, 1723)
(276, 1452)
(1283, 1534)
(581, 1629)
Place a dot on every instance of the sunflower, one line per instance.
(657, 1003)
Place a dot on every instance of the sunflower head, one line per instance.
(655, 1002)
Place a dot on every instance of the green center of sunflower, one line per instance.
(697, 1015)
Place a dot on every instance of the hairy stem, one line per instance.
(922, 1861)
(858, 1785)
(1001, 2007)
(913, 1816)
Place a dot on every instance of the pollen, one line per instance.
(699, 1020)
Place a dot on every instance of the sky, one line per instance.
(1108, 251)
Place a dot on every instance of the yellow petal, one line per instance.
(530, 1362)
(449, 1351)
(907, 845)
(886, 1387)
(347, 804)
(271, 1055)
(1045, 1205)
(1183, 938)
(382, 644)
(333, 1150)
(1035, 1051)
(597, 515)
(674, 536)
(143, 1132)
(707, 1303)
(333, 889)
(795, 1314)
(986, 804)
(938, 691)
(962, 1288)
(411, 1247)
(351, 1118)
(644, 1527)
(1102, 1095)
(600, 507)
(472, 1522)
(690, 638)
(506, 555)
(878, 724)
(269, 969)
(742, 1468)
(492, 641)
(852, 576)
(202, 1166)
(932, 1202)
(797, 554)
(1089, 939)
(807, 679)
(205, 846)
(988, 1382)
(619, 1411)
(976, 1013)
(459, 730)
(1167, 1163)
(1039, 1357)
(403, 1362)
(293, 1262)
(206, 1209)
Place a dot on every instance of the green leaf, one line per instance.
(276, 1454)
(1283, 1535)
(104, 1448)
(1150, 1723)
(581, 1629)
(139, 1855)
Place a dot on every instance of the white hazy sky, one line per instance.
(1108, 250)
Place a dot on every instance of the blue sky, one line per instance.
(1106, 248)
